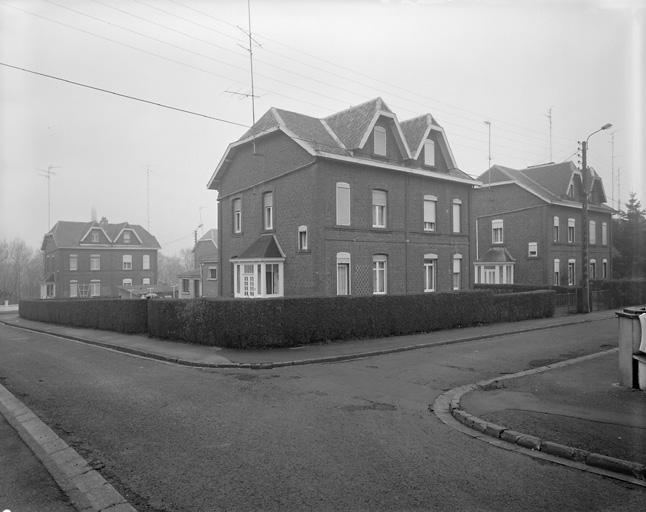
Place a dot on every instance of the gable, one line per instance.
(396, 147)
(127, 236)
(96, 235)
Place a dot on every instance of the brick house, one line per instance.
(202, 280)
(529, 226)
(356, 203)
(95, 259)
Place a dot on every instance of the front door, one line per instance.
(196, 287)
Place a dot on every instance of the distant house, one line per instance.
(143, 291)
(356, 203)
(96, 259)
(529, 226)
(202, 280)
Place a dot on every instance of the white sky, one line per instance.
(462, 61)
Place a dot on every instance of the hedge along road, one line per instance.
(350, 436)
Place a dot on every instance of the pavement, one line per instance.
(573, 411)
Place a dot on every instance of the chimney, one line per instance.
(93, 214)
(103, 221)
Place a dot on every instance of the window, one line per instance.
(457, 212)
(95, 288)
(127, 262)
(145, 264)
(555, 229)
(74, 261)
(342, 204)
(95, 262)
(379, 274)
(126, 237)
(272, 279)
(95, 236)
(302, 238)
(237, 215)
(186, 285)
(496, 231)
(571, 225)
(457, 271)
(268, 210)
(126, 282)
(74, 289)
(379, 201)
(557, 272)
(343, 273)
(429, 153)
(604, 268)
(604, 233)
(532, 249)
(593, 269)
(213, 273)
(430, 261)
(570, 191)
(593, 232)
(571, 276)
(258, 279)
(145, 280)
(430, 209)
(50, 289)
(379, 135)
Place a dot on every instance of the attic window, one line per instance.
(429, 153)
(95, 236)
(570, 191)
(380, 141)
(126, 237)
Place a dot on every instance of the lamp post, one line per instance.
(586, 228)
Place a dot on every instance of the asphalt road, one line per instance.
(347, 436)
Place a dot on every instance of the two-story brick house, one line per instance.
(95, 259)
(202, 280)
(356, 203)
(528, 226)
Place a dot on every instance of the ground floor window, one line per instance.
(571, 272)
(557, 272)
(430, 276)
(379, 274)
(490, 273)
(604, 269)
(50, 289)
(74, 289)
(457, 271)
(186, 285)
(343, 273)
(593, 269)
(126, 282)
(145, 280)
(258, 279)
(95, 288)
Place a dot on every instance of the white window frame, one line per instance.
(456, 272)
(126, 237)
(74, 288)
(146, 281)
(95, 262)
(592, 269)
(303, 242)
(74, 262)
(268, 211)
(556, 275)
(126, 282)
(379, 208)
(250, 278)
(556, 229)
(343, 196)
(380, 142)
(571, 272)
(532, 250)
(95, 288)
(571, 230)
(343, 286)
(429, 153)
(212, 274)
(430, 213)
(236, 209)
(497, 228)
(186, 285)
(95, 237)
(592, 233)
(456, 216)
(379, 274)
(430, 272)
(126, 262)
(604, 233)
(145, 262)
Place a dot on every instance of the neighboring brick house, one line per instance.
(356, 203)
(202, 280)
(95, 259)
(529, 226)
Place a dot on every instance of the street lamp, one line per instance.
(586, 228)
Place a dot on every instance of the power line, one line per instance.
(127, 96)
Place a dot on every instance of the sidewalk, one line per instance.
(215, 357)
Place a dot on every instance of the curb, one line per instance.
(268, 365)
(450, 402)
(84, 486)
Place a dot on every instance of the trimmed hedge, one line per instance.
(514, 288)
(288, 322)
(121, 315)
(622, 292)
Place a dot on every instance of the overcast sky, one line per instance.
(462, 61)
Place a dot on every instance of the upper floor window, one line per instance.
(430, 209)
(302, 238)
(95, 262)
(379, 136)
(379, 274)
(556, 229)
(497, 231)
(457, 271)
(126, 237)
(429, 153)
(457, 215)
(237, 215)
(95, 236)
(268, 210)
(126, 262)
(343, 273)
(213, 273)
(379, 202)
(604, 233)
(74, 262)
(146, 262)
(571, 225)
(593, 232)
(430, 264)
(343, 204)
(532, 249)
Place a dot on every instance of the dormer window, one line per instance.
(570, 191)
(126, 237)
(95, 236)
(429, 153)
(380, 141)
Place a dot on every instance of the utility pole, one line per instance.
(48, 173)
(619, 189)
(612, 167)
(488, 123)
(148, 171)
(549, 116)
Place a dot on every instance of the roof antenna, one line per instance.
(48, 173)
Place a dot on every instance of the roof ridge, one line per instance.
(378, 99)
(332, 133)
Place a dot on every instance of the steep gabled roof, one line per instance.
(351, 124)
(71, 234)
